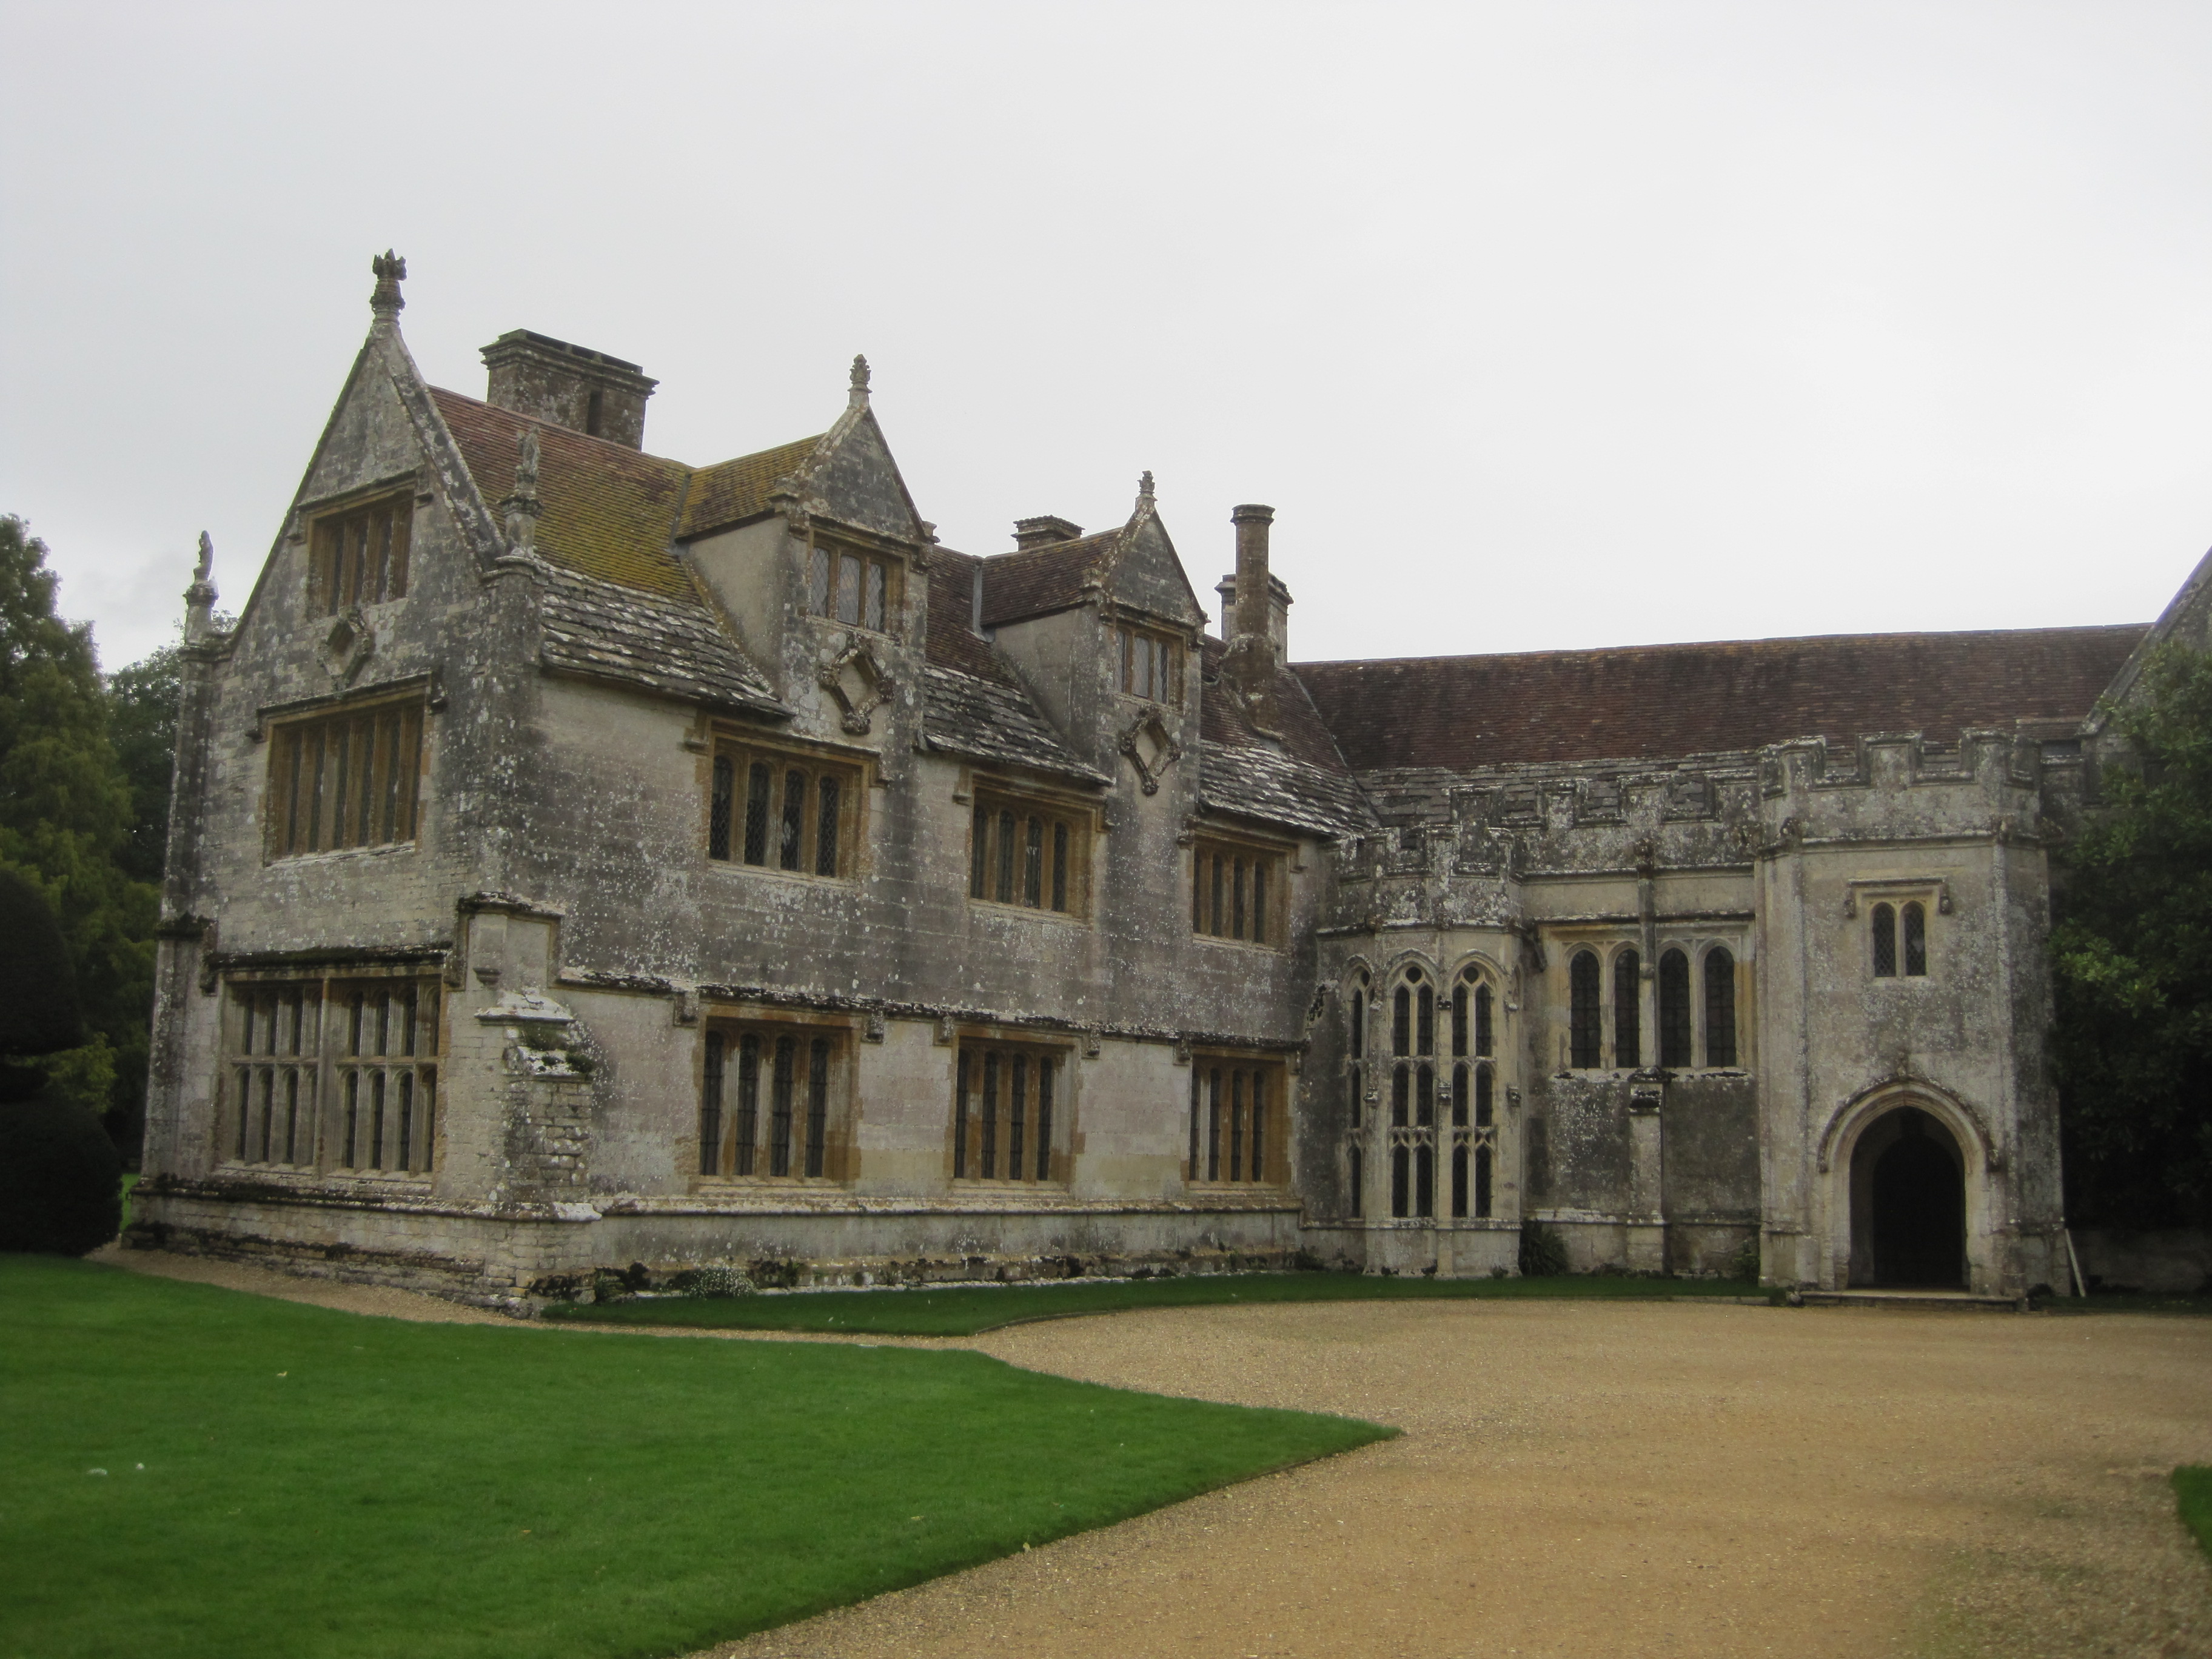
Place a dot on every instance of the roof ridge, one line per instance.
(1715, 645)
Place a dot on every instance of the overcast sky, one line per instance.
(1540, 325)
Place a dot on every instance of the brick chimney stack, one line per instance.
(571, 386)
(1251, 663)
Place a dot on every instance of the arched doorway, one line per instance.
(1908, 1204)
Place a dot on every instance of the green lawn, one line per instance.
(2192, 1487)
(286, 1480)
(963, 1310)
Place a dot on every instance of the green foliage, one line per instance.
(282, 1480)
(1543, 1252)
(2192, 1489)
(37, 986)
(712, 1281)
(61, 1183)
(66, 813)
(966, 1310)
(2132, 962)
(142, 714)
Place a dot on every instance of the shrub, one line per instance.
(1543, 1252)
(61, 1181)
(712, 1281)
(1744, 1264)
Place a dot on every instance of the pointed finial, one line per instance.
(391, 270)
(522, 507)
(199, 598)
(859, 394)
(1145, 486)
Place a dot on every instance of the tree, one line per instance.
(60, 1180)
(65, 820)
(142, 716)
(2132, 958)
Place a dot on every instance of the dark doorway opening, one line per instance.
(1917, 1208)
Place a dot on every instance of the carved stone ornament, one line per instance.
(1151, 749)
(858, 681)
(350, 643)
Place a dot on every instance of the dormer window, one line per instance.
(859, 590)
(1149, 664)
(360, 555)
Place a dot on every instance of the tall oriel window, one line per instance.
(1355, 1091)
(1413, 1126)
(773, 1102)
(1473, 1127)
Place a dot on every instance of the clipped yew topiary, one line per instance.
(61, 1183)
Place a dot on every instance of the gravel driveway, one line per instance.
(1607, 1480)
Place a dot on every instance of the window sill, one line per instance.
(1238, 944)
(739, 866)
(330, 855)
(997, 908)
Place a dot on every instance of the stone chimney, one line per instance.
(586, 391)
(1253, 654)
(1279, 612)
(1043, 532)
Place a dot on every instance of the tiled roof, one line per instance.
(987, 720)
(674, 646)
(1044, 579)
(732, 491)
(610, 510)
(953, 641)
(1300, 782)
(974, 704)
(1648, 702)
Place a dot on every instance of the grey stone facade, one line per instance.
(581, 859)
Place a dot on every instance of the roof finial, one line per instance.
(859, 394)
(1144, 487)
(391, 270)
(199, 598)
(522, 506)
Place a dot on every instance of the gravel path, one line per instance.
(1608, 1480)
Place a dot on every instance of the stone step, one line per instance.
(1950, 1301)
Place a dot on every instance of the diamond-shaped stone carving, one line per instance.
(1151, 747)
(349, 644)
(858, 681)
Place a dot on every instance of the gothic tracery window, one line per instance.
(1676, 1027)
(1719, 1007)
(1412, 1128)
(1628, 1011)
(1474, 1131)
(1582, 1010)
(1914, 916)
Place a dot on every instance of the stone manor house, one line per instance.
(581, 858)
